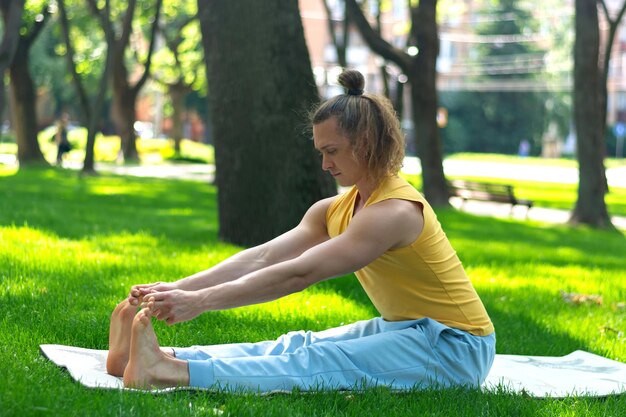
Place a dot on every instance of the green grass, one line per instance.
(70, 248)
(107, 148)
(532, 160)
(546, 194)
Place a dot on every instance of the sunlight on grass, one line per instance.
(571, 162)
(107, 148)
(7, 170)
(21, 286)
(326, 309)
(71, 247)
(8, 147)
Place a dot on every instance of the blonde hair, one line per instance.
(369, 122)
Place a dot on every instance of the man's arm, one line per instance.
(374, 230)
(310, 232)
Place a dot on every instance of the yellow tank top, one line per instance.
(424, 279)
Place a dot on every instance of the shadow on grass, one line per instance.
(68, 206)
(523, 331)
(71, 206)
(506, 242)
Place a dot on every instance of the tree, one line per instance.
(179, 66)
(613, 24)
(11, 17)
(340, 38)
(124, 91)
(496, 116)
(23, 97)
(91, 106)
(48, 69)
(261, 88)
(420, 70)
(590, 79)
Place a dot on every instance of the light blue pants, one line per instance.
(400, 355)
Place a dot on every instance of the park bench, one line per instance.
(483, 191)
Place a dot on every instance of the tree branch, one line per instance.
(104, 16)
(613, 26)
(413, 30)
(10, 40)
(38, 26)
(82, 94)
(605, 9)
(340, 47)
(93, 7)
(127, 24)
(330, 25)
(153, 32)
(173, 42)
(374, 40)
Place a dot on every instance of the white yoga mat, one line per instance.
(577, 374)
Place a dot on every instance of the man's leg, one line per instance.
(402, 355)
(287, 343)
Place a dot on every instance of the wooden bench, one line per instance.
(483, 191)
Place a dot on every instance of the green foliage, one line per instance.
(180, 58)
(497, 121)
(188, 63)
(554, 195)
(48, 69)
(48, 61)
(107, 148)
(143, 17)
(494, 122)
(70, 247)
(33, 13)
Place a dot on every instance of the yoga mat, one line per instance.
(577, 374)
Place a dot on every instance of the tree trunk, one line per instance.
(398, 99)
(340, 41)
(125, 94)
(590, 206)
(424, 101)
(23, 102)
(91, 109)
(96, 118)
(89, 166)
(383, 66)
(12, 17)
(123, 112)
(614, 24)
(422, 75)
(262, 87)
(177, 94)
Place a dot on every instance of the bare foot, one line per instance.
(119, 337)
(148, 366)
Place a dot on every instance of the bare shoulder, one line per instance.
(317, 212)
(400, 221)
(396, 209)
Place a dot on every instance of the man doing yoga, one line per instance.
(433, 329)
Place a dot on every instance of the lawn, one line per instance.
(107, 148)
(531, 160)
(70, 248)
(554, 195)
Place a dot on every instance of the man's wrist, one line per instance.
(204, 299)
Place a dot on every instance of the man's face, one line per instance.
(336, 151)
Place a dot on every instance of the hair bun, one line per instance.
(353, 81)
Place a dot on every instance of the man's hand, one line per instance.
(139, 292)
(173, 306)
